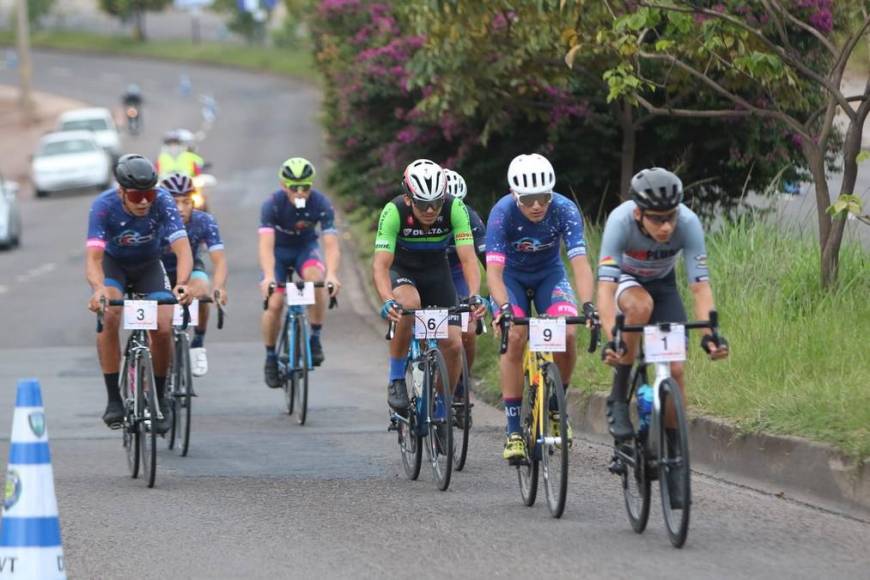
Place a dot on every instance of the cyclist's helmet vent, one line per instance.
(424, 180)
(455, 184)
(135, 172)
(178, 185)
(297, 170)
(656, 189)
(531, 174)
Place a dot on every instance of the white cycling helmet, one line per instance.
(531, 174)
(455, 184)
(424, 180)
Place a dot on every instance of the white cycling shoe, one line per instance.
(198, 361)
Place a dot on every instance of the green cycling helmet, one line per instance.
(296, 171)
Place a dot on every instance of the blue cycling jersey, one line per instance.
(478, 231)
(202, 230)
(297, 227)
(129, 238)
(523, 246)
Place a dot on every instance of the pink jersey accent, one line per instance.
(562, 309)
(312, 263)
(495, 258)
(265, 230)
(95, 243)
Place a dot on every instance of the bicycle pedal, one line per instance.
(617, 467)
(519, 462)
(116, 426)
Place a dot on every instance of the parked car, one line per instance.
(99, 121)
(70, 160)
(10, 215)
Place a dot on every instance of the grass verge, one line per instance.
(799, 363)
(282, 61)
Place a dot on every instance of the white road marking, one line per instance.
(35, 272)
(61, 71)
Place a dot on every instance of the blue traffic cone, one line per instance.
(30, 545)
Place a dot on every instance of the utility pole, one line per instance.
(25, 72)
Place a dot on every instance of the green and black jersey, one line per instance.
(414, 247)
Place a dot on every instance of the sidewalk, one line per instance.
(17, 140)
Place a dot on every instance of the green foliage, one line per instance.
(133, 10)
(242, 22)
(36, 9)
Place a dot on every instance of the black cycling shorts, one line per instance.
(148, 277)
(667, 303)
(434, 284)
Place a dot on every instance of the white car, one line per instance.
(70, 160)
(99, 121)
(10, 216)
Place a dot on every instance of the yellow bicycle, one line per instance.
(544, 430)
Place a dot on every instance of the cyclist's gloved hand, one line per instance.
(505, 311)
(389, 306)
(478, 305)
(717, 349)
(591, 314)
(611, 350)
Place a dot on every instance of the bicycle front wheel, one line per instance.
(130, 430)
(554, 444)
(288, 378)
(301, 372)
(462, 416)
(410, 442)
(635, 480)
(184, 402)
(674, 471)
(440, 417)
(527, 471)
(148, 424)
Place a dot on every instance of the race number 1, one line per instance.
(140, 315)
(547, 335)
(178, 314)
(430, 324)
(300, 297)
(662, 346)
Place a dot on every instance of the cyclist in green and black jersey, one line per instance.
(410, 265)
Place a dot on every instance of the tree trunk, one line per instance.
(815, 157)
(629, 142)
(139, 25)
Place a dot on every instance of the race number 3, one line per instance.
(140, 315)
(178, 314)
(662, 346)
(430, 324)
(547, 335)
(300, 297)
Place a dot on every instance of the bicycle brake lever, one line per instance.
(391, 331)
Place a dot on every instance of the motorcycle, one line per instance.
(134, 119)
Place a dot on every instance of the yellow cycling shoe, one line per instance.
(555, 426)
(514, 448)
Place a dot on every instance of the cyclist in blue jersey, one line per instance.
(202, 230)
(125, 230)
(524, 234)
(642, 240)
(457, 188)
(289, 239)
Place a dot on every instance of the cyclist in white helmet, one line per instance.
(410, 269)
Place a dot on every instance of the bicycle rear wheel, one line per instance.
(674, 469)
(635, 480)
(184, 402)
(462, 417)
(527, 472)
(301, 372)
(440, 415)
(130, 430)
(554, 452)
(148, 426)
(410, 442)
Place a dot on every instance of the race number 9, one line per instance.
(547, 335)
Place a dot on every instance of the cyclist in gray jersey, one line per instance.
(642, 240)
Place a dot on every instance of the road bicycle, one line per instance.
(431, 411)
(294, 347)
(545, 434)
(136, 384)
(462, 406)
(657, 452)
(179, 385)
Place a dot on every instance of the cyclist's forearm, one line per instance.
(702, 293)
(583, 279)
(181, 249)
(219, 260)
(607, 307)
(470, 268)
(267, 254)
(381, 275)
(495, 281)
(94, 268)
(332, 253)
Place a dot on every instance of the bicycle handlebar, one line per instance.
(391, 331)
(712, 323)
(333, 301)
(105, 303)
(508, 319)
(215, 299)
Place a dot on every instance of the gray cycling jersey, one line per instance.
(626, 249)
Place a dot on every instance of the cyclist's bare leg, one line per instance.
(566, 360)
(469, 343)
(161, 341)
(317, 311)
(637, 305)
(270, 323)
(108, 343)
(201, 289)
(409, 298)
(450, 348)
(678, 372)
(511, 364)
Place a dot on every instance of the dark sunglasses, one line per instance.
(661, 219)
(136, 196)
(299, 187)
(529, 199)
(427, 205)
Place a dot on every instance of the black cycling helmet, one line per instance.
(135, 172)
(656, 189)
(178, 184)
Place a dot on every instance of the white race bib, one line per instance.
(547, 334)
(297, 297)
(430, 324)
(466, 320)
(661, 346)
(178, 314)
(140, 315)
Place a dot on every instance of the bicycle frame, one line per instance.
(296, 315)
(417, 352)
(137, 342)
(532, 364)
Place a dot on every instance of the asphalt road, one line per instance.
(260, 496)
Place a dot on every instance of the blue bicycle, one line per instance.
(294, 350)
(431, 403)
